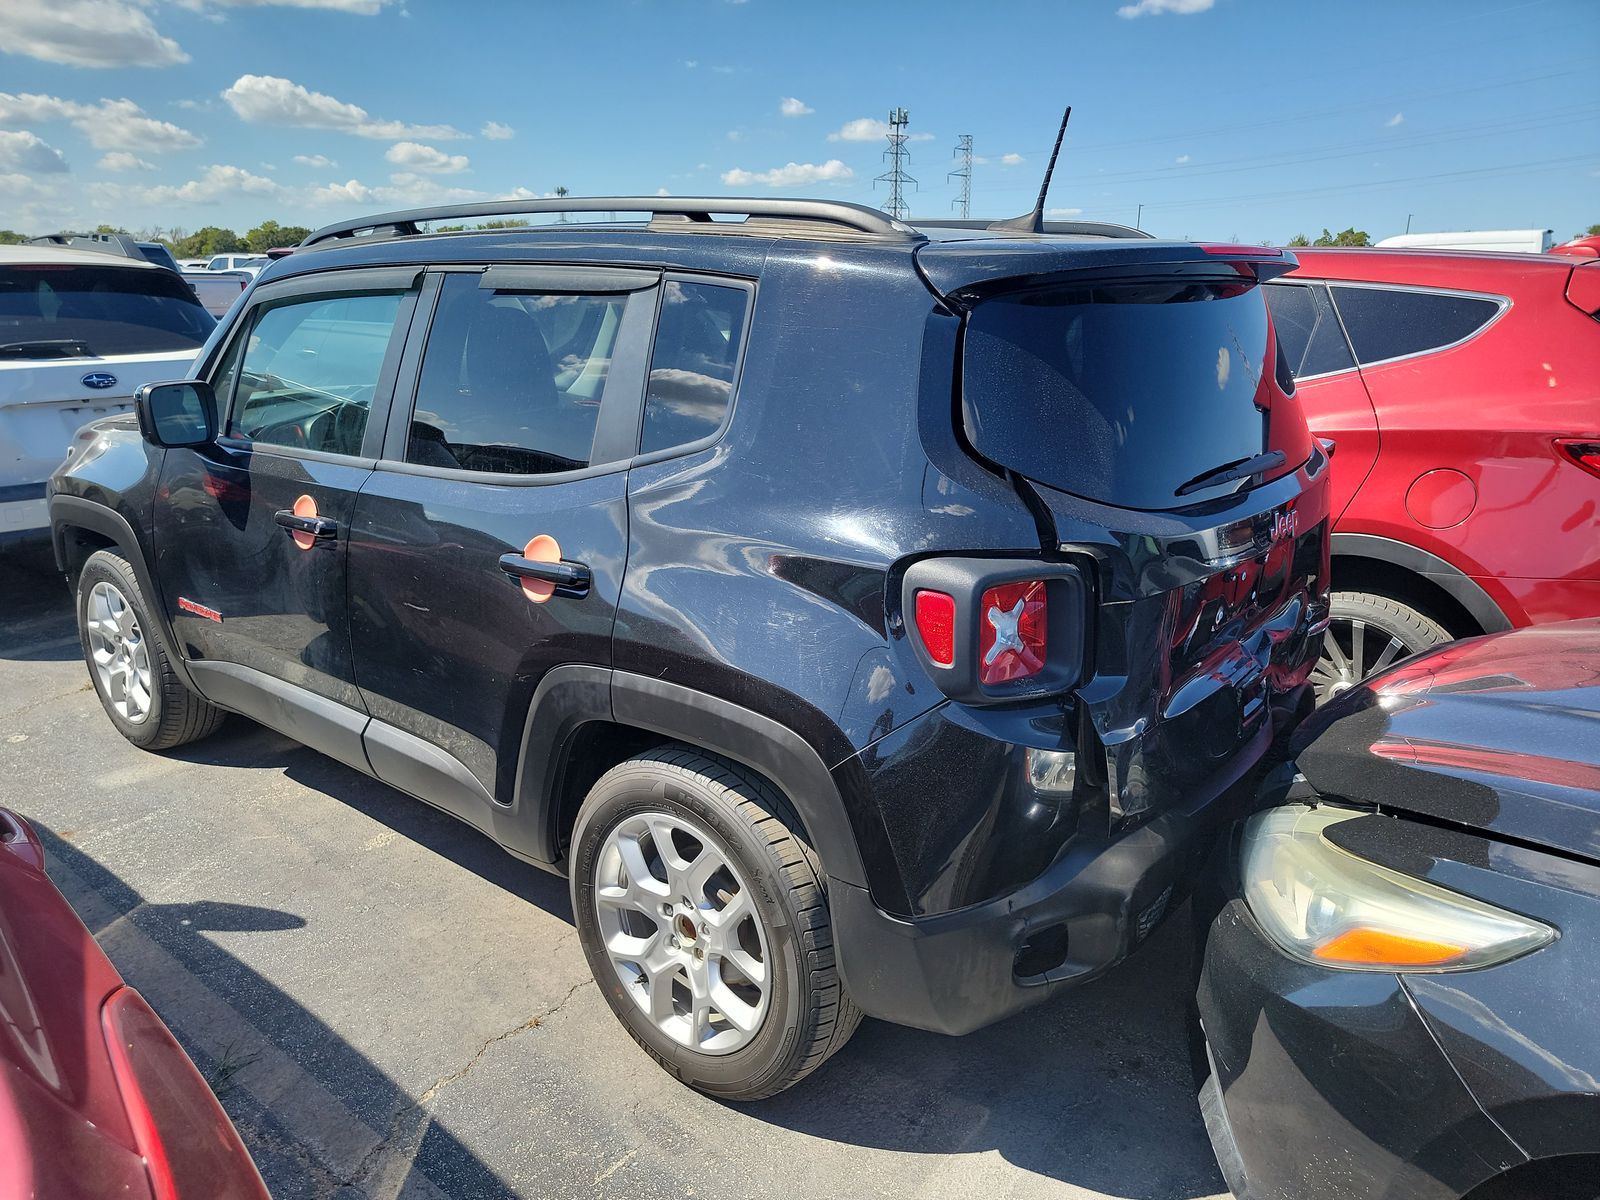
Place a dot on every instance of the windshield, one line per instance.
(1135, 394)
(50, 310)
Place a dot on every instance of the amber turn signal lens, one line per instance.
(1377, 947)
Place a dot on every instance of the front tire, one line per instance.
(705, 922)
(1368, 633)
(130, 663)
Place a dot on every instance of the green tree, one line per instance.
(1299, 239)
(270, 234)
(1592, 231)
(212, 239)
(109, 229)
(10, 237)
(1349, 237)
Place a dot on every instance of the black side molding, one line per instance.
(1461, 587)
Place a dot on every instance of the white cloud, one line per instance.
(1397, 119)
(791, 107)
(1063, 212)
(870, 129)
(862, 129)
(497, 132)
(216, 183)
(121, 160)
(691, 63)
(404, 190)
(109, 125)
(271, 100)
(30, 154)
(87, 33)
(1181, 159)
(1011, 160)
(1154, 8)
(426, 158)
(662, 192)
(314, 160)
(790, 175)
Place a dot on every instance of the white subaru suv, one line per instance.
(79, 332)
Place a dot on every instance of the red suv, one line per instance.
(1462, 392)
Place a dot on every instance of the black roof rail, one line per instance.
(104, 243)
(831, 215)
(1082, 228)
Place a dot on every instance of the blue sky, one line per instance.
(1255, 119)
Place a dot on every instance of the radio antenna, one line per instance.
(1033, 222)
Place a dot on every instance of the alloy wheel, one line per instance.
(683, 932)
(118, 650)
(1352, 649)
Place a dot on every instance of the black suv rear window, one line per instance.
(50, 310)
(1121, 393)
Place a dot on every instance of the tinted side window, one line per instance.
(1308, 330)
(691, 368)
(511, 382)
(310, 370)
(1385, 323)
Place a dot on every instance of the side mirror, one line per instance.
(177, 414)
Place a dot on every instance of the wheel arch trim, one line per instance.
(1459, 586)
(75, 512)
(574, 695)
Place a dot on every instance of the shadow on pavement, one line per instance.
(38, 624)
(214, 988)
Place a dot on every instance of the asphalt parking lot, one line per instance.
(390, 1006)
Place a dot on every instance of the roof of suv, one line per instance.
(1447, 268)
(15, 255)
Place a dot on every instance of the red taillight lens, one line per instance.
(189, 1146)
(936, 626)
(1583, 451)
(1012, 631)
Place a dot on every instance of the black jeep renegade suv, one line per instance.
(868, 619)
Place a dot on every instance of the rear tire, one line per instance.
(131, 664)
(762, 934)
(1369, 633)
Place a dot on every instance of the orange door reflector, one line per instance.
(305, 506)
(1379, 946)
(542, 548)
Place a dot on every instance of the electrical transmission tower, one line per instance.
(964, 174)
(897, 156)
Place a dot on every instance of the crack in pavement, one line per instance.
(410, 1113)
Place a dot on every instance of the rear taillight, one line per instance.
(997, 630)
(936, 626)
(1583, 451)
(1013, 632)
(190, 1148)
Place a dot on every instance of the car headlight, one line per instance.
(1329, 907)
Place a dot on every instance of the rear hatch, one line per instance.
(76, 341)
(1135, 395)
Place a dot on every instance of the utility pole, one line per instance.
(897, 155)
(963, 202)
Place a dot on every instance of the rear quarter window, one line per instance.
(1387, 323)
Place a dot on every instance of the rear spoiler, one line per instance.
(965, 272)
